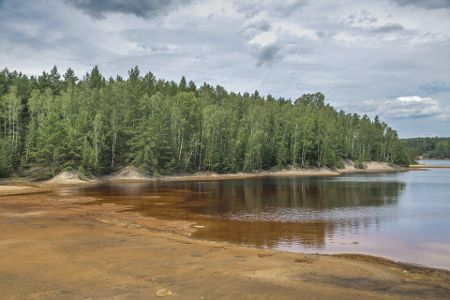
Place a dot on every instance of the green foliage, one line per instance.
(96, 126)
(5, 158)
(360, 164)
(429, 147)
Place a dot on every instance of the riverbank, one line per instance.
(133, 174)
(429, 166)
(55, 247)
(371, 167)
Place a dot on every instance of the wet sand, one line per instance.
(53, 247)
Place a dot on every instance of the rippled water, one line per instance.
(403, 216)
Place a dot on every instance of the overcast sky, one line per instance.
(385, 57)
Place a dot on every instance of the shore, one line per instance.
(132, 174)
(372, 167)
(54, 247)
(429, 166)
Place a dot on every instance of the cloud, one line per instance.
(257, 25)
(406, 107)
(349, 50)
(428, 4)
(266, 47)
(264, 39)
(276, 8)
(267, 54)
(435, 87)
(139, 8)
(296, 30)
(361, 17)
(387, 28)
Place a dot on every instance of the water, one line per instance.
(435, 162)
(402, 216)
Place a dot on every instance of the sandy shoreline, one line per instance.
(102, 253)
(381, 168)
(25, 185)
(429, 167)
(8, 186)
(131, 174)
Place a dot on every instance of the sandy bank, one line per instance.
(132, 174)
(53, 247)
(370, 167)
(12, 189)
(68, 177)
(429, 166)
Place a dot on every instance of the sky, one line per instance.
(385, 57)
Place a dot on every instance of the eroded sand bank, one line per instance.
(53, 247)
(130, 173)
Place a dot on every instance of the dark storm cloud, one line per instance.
(140, 8)
(428, 4)
(267, 55)
(387, 28)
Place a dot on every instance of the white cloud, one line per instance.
(405, 107)
(295, 30)
(264, 39)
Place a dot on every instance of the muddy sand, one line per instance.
(54, 247)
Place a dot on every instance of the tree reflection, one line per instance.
(264, 212)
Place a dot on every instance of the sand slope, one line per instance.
(67, 177)
(129, 173)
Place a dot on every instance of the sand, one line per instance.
(54, 247)
(67, 177)
(133, 174)
(130, 173)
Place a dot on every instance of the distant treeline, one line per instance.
(97, 125)
(428, 147)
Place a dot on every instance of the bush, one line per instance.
(360, 165)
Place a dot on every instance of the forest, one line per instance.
(428, 147)
(96, 125)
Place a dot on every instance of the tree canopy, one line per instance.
(428, 147)
(98, 125)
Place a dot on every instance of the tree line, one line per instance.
(428, 147)
(97, 125)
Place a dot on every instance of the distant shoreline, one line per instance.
(26, 185)
(374, 168)
(133, 174)
(419, 166)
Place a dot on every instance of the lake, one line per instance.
(403, 216)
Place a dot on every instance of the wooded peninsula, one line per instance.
(97, 125)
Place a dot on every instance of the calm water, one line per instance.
(403, 216)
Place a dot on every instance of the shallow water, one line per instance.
(403, 216)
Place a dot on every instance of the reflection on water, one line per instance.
(380, 214)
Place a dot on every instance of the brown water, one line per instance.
(402, 216)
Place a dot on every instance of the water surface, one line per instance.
(403, 216)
